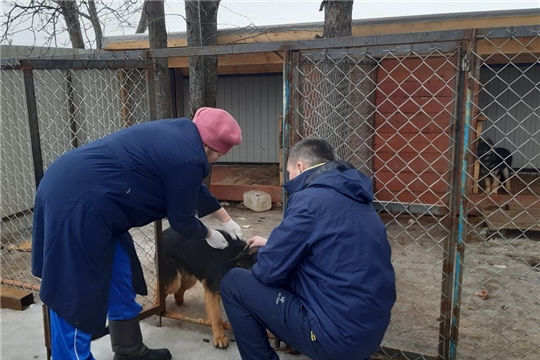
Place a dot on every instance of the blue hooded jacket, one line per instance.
(91, 196)
(331, 250)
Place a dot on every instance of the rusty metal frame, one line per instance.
(28, 67)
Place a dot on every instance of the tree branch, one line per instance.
(94, 19)
(143, 21)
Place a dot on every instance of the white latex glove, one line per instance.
(216, 240)
(233, 228)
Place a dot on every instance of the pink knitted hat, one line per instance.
(218, 129)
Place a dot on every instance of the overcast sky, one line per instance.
(234, 13)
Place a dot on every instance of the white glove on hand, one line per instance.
(216, 240)
(233, 228)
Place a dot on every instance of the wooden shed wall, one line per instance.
(413, 140)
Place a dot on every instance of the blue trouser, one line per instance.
(253, 307)
(67, 342)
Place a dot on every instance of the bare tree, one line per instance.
(96, 25)
(201, 20)
(345, 107)
(143, 21)
(70, 12)
(78, 19)
(157, 34)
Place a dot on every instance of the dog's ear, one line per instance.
(489, 141)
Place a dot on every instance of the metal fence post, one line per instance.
(467, 67)
(286, 118)
(151, 91)
(33, 122)
(449, 261)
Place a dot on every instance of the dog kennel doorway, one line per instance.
(509, 101)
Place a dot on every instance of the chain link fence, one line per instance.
(50, 107)
(395, 110)
(410, 116)
(410, 113)
(500, 293)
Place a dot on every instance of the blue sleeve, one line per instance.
(206, 202)
(287, 245)
(182, 183)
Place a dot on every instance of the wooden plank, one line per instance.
(16, 299)
(509, 47)
(477, 202)
(513, 219)
(476, 166)
(366, 29)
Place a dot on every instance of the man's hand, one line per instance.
(233, 228)
(257, 241)
(216, 240)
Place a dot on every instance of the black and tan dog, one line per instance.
(187, 260)
(495, 165)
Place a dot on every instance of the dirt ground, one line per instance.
(503, 322)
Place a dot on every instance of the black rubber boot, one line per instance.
(127, 344)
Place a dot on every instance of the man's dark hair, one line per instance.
(311, 151)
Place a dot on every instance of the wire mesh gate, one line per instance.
(50, 106)
(467, 262)
(408, 115)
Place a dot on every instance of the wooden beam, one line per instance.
(16, 299)
(238, 38)
(235, 60)
(509, 47)
(426, 26)
(244, 69)
(358, 30)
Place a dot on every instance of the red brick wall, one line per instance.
(413, 130)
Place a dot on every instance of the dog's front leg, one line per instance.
(506, 176)
(495, 185)
(488, 184)
(212, 302)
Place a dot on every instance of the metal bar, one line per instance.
(46, 330)
(505, 32)
(17, 214)
(20, 284)
(449, 243)
(124, 98)
(151, 92)
(396, 50)
(71, 110)
(353, 41)
(150, 311)
(286, 120)
(158, 236)
(403, 354)
(294, 123)
(462, 220)
(33, 123)
(77, 64)
(182, 317)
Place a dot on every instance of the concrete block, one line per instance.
(257, 200)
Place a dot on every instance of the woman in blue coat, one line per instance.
(323, 282)
(87, 201)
